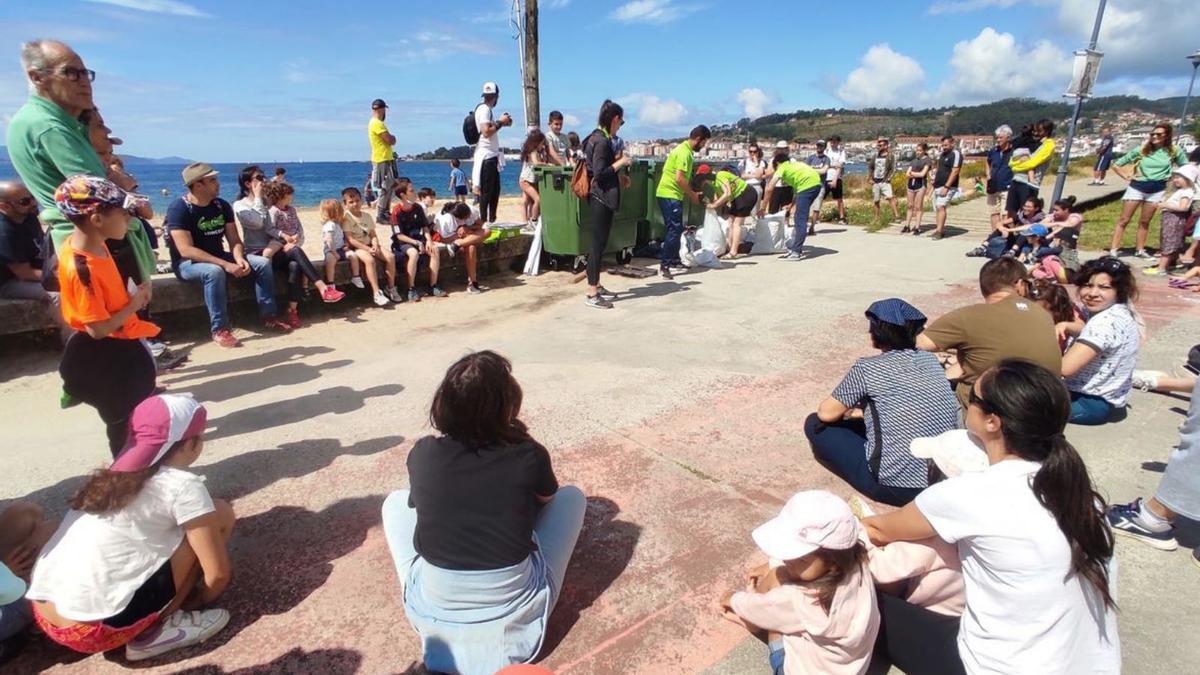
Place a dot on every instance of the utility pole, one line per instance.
(1060, 180)
(529, 66)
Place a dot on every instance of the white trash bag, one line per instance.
(769, 233)
(712, 235)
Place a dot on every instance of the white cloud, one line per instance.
(1138, 38)
(427, 46)
(297, 71)
(653, 111)
(156, 6)
(570, 120)
(754, 101)
(885, 78)
(959, 6)
(651, 11)
(994, 65)
(554, 4)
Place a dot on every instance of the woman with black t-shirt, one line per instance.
(605, 197)
(482, 537)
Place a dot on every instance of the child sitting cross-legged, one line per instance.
(818, 604)
(412, 240)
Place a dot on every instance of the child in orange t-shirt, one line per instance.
(106, 362)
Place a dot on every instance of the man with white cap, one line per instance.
(819, 603)
(143, 537)
(489, 160)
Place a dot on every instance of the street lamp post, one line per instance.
(1194, 57)
(1061, 179)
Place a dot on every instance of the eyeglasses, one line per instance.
(976, 399)
(23, 201)
(73, 74)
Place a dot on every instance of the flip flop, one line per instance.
(1179, 283)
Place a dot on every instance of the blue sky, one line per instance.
(275, 80)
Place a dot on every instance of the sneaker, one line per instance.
(905, 230)
(1143, 254)
(605, 293)
(357, 282)
(168, 360)
(332, 295)
(452, 249)
(473, 288)
(1196, 556)
(1114, 253)
(665, 271)
(276, 324)
(437, 292)
(937, 236)
(380, 299)
(1123, 518)
(292, 318)
(393, 294)
(1146, 380)
(162, 267)
(156, 348)
(225, 338)
(181, 629)
(977, 252)
(413, 295)
(812, 231)
(1153, 271)
(597, 301)
(792, 255)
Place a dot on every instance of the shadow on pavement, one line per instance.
(811, 252)
(655, 290)
(604, 550)
(336, 400)
(279, 375)
(255, 362)
(328, 661)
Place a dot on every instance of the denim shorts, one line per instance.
(775, 657)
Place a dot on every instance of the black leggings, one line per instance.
(915, 639)
(602, 220)
(296, 263)
(112, 375)
(489, 189)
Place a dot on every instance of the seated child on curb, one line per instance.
(412, 239)
(142, 539)
(334, 239)
(818, 606)
(464, 231)
(363, 242)
(428, 199)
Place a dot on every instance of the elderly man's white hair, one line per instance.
(1004, 130)
(35, 56)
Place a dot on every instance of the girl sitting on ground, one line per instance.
(1098, 367)
(1055, 299)
(531, 156)
(815, 599)
(334, 242)
(106, 362)
(731, 191)
(1065, 226)
(482, 537)
(143, 540)
(1005, 238)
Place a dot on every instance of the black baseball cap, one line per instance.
(378, 103)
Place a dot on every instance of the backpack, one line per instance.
(581, 185)
(470, 128)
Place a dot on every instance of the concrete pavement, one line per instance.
(679, 413)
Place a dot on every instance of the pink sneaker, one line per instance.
(225, 338)
(332, 295)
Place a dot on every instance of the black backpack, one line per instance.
(470, 129)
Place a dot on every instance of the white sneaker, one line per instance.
(181, 629)
(381, 300)
(357, 282)
(1147, 380)
(1112, 252)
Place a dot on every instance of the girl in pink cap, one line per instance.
(817, 603)
(143, 540)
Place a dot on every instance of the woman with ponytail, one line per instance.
(1034, 543)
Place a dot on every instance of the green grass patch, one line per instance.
(1099, 223)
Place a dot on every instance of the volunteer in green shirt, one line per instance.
(47, 142)
(674, 184)
(806, 184)
(729, 189)
(1152, 166)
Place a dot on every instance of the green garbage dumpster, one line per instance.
(566, 220)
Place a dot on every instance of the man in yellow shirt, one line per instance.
(383, 160)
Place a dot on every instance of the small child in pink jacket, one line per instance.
(818, 607)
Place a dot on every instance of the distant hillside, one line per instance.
(129, 159)
(868, 123)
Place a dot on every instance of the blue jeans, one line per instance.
(775, 657)
(672, 213)
(15, 617)
(842, 448)
(213, 279)
(803, 204)
(557, 529)
(1089, 410)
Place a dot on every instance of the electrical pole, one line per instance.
(1061, 180)
(533, 112)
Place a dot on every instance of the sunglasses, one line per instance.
(976, 399)
(74, 74)
(1107, 264)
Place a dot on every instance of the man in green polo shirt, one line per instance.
(47, 142)
(806, 185)
(676, 182)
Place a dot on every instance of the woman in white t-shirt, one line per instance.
(142, 537)
(1098, 366)
(1034, 545)
(754, 169)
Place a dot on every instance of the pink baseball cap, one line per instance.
(810, 520)
(155, 426)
